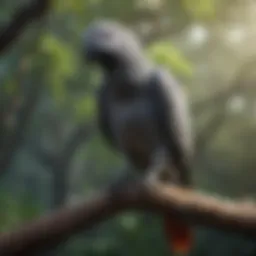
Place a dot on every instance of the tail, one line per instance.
(179, 236)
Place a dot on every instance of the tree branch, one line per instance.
(13, 140)
(49, 159)
(213, 126)
(58, 163)
(235, 86)
(79, 135)
(21, 18)
(61, 165)
(208, 132)
(42, 155)
(193, 207)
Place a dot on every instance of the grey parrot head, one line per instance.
(110, 44)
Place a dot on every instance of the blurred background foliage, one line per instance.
(51, 153)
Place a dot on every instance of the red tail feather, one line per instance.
(178, 235)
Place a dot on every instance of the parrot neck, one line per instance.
(126, 84)
(131, 71)
(128, 77)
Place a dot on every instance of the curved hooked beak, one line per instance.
(89, 56)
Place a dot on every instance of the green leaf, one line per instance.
(201, 9)
(85, 108)
(164, 53)
(62, 64)
(67, 6)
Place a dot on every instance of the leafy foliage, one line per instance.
(201, 10)
(62, 64)
(16, 210)
(164, 53)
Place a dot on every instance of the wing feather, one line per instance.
(173, 119)
(104, 122)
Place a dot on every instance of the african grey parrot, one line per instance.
(143, 113)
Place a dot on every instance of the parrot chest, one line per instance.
(135, 129)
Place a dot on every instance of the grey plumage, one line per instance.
(143, 111)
